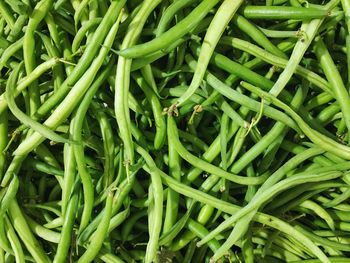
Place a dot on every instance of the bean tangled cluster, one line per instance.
(174, 131)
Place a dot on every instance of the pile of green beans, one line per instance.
(174, 131)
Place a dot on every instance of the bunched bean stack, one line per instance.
(174, 131)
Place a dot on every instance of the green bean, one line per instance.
(232, 209)
(109, 258)
(122, 79)
(79, 151)
(65, 240)
(256, 34)
(339, 199)
(289, 201)
(125, 188)
(25, 234)
(341, 207)
(309, 29)
(326, 115)
(156, 109)
(88, 25)
(247, 248)
(10, 51)
(138, 63)
(125, 232)
(93, 9)
(277, 187)
(26, 81)
(169, 14)
(49, 19)
(9, 195)
(80, 12)
(71, 100)
(44, 131)
(147, 74)
(334, 78)
(53, 53)
(283, 12)
(15, 164)
(108, 143)
(69, 175)
(256, 151)
(14, 241)
(223, 140)
(100, 234)
(157, 210)
(172, 206)
(244, 100)
(318, 138)
(55, 223)
(189, 252)
(88, 190)
(319, 211)
(87, 57)
(176, 32)
(17, 29)
(6, 13)
(278, 34)
(276, 130)
(193, 139)
(277, 61)
(4, 242)
(199, 230)
(323, 241)
(205, 165)
(216, 28)
(39, 12)
(227, 109)
(212, 152)
(318, 100)
(43, 167)
(115, 221)
(195, 228)
(43, 232)
(64, 23)
(118, 219)
(237, 144)
(4, 140)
